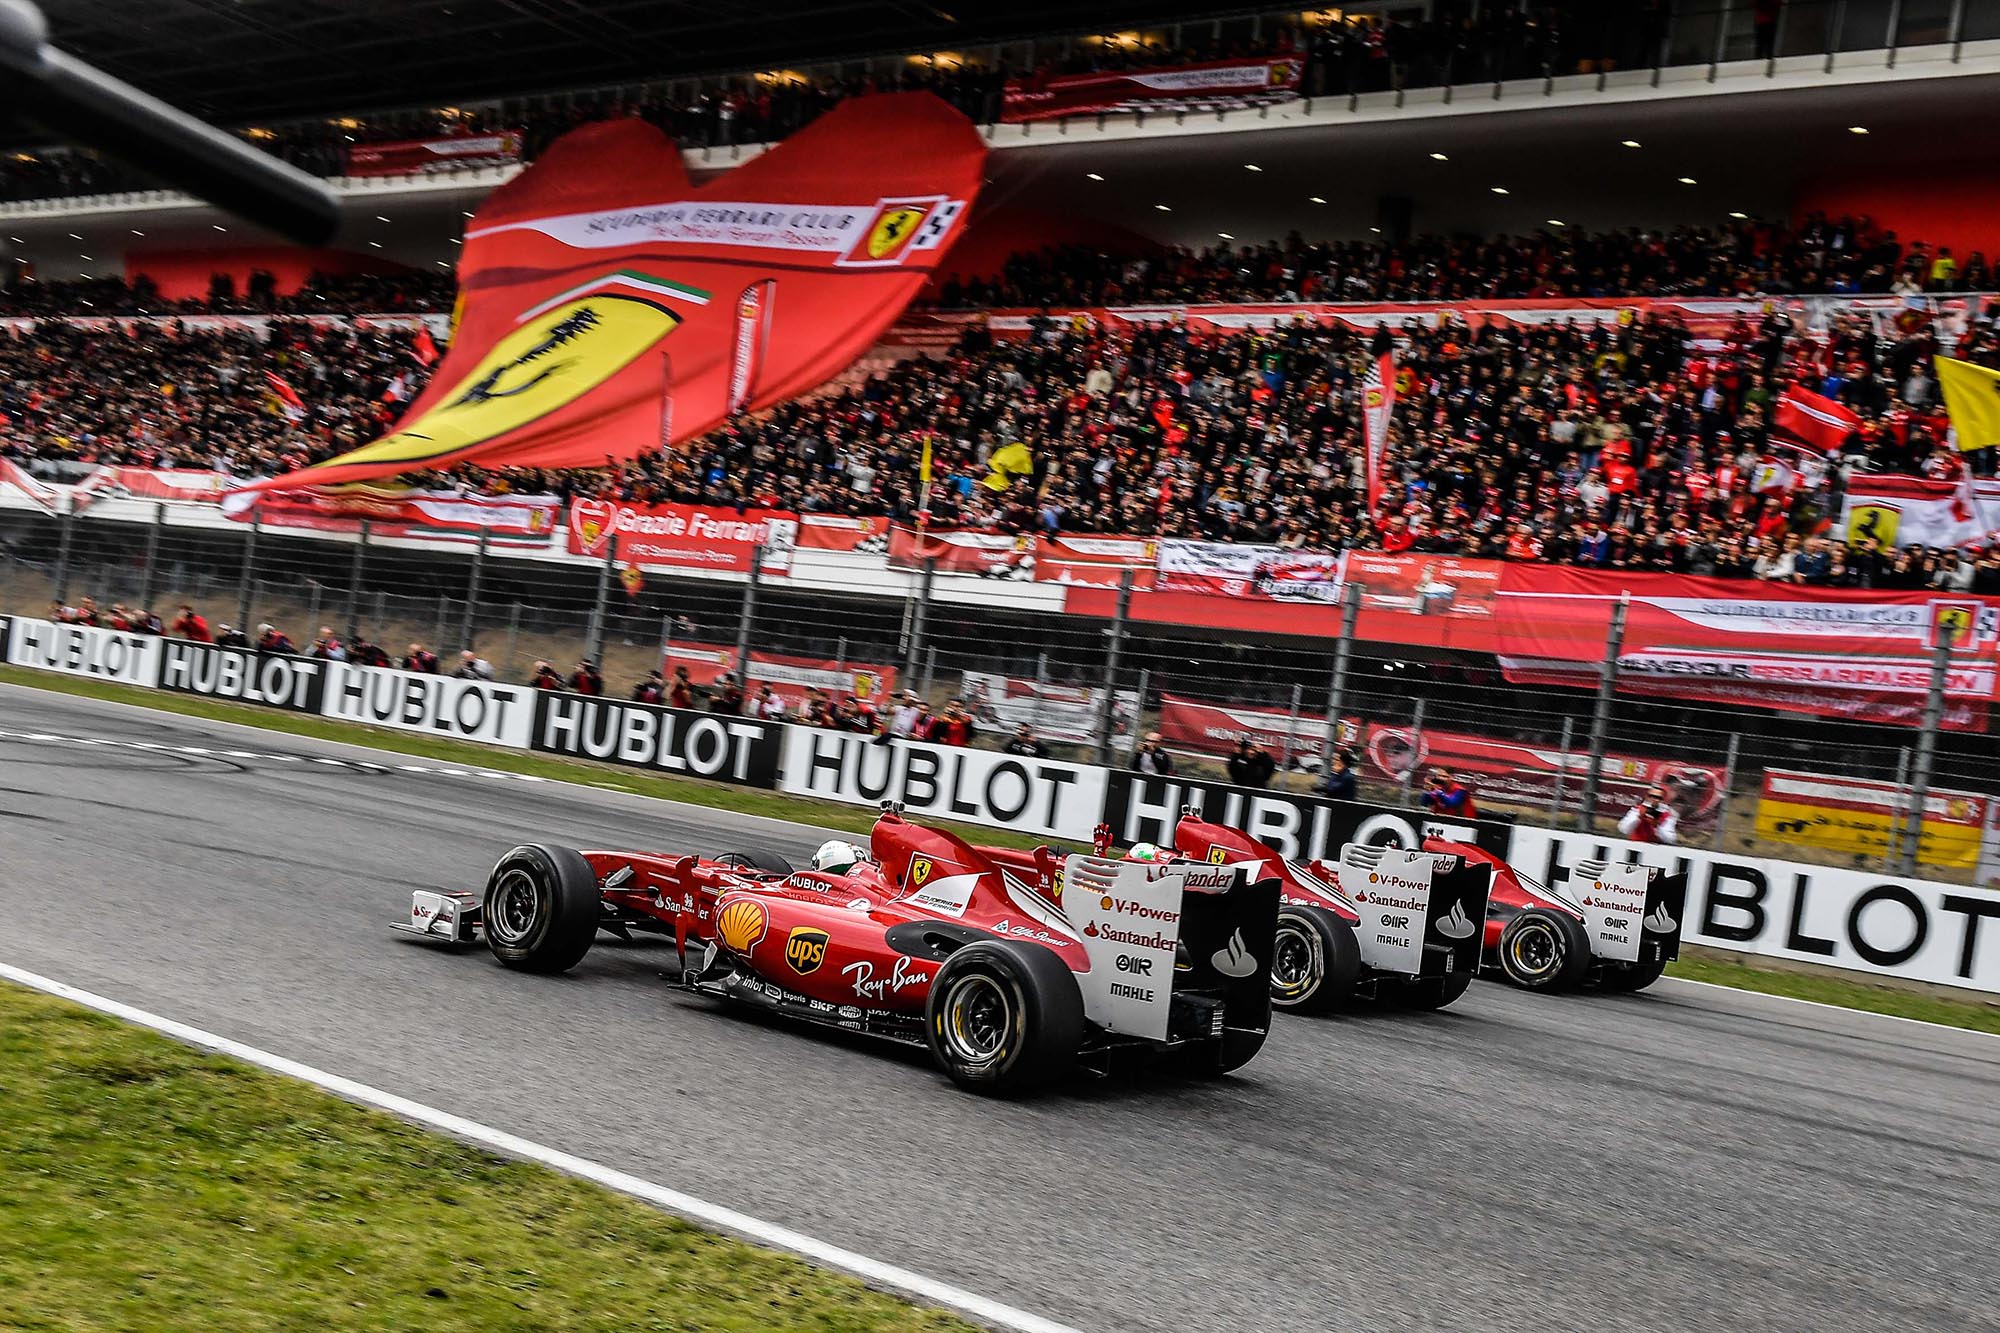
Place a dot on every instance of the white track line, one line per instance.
(768, 1234)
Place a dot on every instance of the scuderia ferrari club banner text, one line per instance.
(611, 306)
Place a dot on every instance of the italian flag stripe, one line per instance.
(629, 279)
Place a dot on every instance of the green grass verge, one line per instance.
(691, 791)
(1826, 986)
(146, 1185)
(1932, 1004)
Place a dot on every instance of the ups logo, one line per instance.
(805, 949)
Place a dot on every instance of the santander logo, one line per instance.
(1455, 924)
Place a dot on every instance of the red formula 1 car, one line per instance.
(1618, 930)
(1383, 923)
(931, 942)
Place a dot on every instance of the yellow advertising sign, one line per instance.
(1854, 817)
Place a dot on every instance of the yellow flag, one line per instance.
(1008, 462)
(1972, 400)
(924, 465)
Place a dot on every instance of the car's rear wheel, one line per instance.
(1632, 976)
(1314, 961)
(1004, 1017)
(769, 862)
(1544, 950)
(1436, 992)
(541, 909)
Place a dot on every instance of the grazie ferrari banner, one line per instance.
(611, 307)
(1218, 85)
(683, 536)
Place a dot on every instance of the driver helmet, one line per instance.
(835, 857)
(1148, 851)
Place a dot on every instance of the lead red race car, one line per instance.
(926, 941)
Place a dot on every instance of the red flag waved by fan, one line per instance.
(289, 402)
(1815, 419)
(611, 307)
(425, 347)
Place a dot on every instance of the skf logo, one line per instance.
(1218, 855)
(742, 924)
(805, 949)
(921, 869)
(893, 230)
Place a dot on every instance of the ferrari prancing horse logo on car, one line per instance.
(805, 949)
(921, 868)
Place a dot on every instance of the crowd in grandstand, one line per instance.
(1621, 445)
(397, 293)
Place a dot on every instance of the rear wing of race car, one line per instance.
(1631, 912)
(1177, 949)
(1422, 913)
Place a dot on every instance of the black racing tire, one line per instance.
(1435, 992)
(541, 909)
(1632, 976)
(1544, 950)
(1004, 1017)
(1315, 960)
(769, 862)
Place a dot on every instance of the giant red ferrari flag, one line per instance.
(1814, 418)
(611, 306)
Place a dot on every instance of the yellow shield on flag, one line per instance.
(1876, 522)
(892, 231)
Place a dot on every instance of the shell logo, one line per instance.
(742, 924)
(1104, 904)
(1374, 878)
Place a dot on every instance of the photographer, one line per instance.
(1651, 820)
(1446, 795)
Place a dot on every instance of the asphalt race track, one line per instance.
(1686, 1159)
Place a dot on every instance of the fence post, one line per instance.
(1112, 654)
(594, 641)
(666, 641)
(745, 622)
(916, 612)
(1562, 772)
(1291, 730)
(1138, 708)
(1416, 750)
(1600, 716)
(354, 586)
(63, 540)
(249, 568)
(438, 631)
(514, 634)
(312, 606)
(472, 584)
(1728, 788)
(148, 579)
(1336, 697)
(1041, 689)
(1920, 767)
(930, 671)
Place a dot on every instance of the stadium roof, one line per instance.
(245, 60)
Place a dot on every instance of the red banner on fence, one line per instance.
(1516, 772)
(683, 536)
(393, 511)
(839, 532)
(1217, 85)
(610, 306)
(995, 554)
(415, 157)
(792, 679)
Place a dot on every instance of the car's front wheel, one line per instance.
(1544, 950)
(541, 910)
(1004, 1017)
(1314, 961)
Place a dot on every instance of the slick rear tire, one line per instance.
(542, 908)
(1544, 950)
(1004, 1017)
(1435, 992)
(769, 862)
(1632, 976)
(1315, 960)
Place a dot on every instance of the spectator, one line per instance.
(954, 726)
(1250, 765)
(1339, 784)
(903, 716)
(471, 666)
(770, 706)
(728, 697)
(1446, 795)
(682, 693)
(327, 648)
(270, 639)
(360, 652)
(189, 625)
(228, 636)
(1024, 744)
(546, 677)
(587, 679)
(85, 613)
(1151, 758)
(1651, 820)
(651, 690)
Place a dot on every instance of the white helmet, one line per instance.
(1146, 851)
(835, 857)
